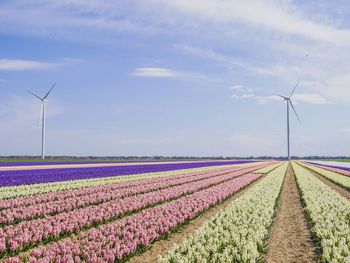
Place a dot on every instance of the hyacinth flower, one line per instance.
(20, 177)
(97, 195)
(139, 230)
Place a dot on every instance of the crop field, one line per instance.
(187, 211)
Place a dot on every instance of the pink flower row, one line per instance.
(118, 239)
(332, 169)
(31, 232)
(60, 195)
(106, 193)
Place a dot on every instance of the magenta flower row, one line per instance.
(119, 239)
(85, 197)
(61, 195)
(332, 169)
(16, 237)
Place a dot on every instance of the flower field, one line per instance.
(108, 219)
(123, 217)
(329, 214)
(20, 177)
(331, 174)
(39, 188)
(341, 167)
(237, 233)
(339, 170)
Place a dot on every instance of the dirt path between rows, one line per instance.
(162, 246)
(332, 185)
(290, 239)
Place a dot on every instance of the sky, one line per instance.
(175, 78)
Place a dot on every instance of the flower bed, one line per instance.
(100, 195)
(25, 190)
(237, 233)
(20, 177)
(342, 180)
(329, 215)
(118, 240)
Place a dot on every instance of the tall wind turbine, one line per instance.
(42, 118)
(289, 102)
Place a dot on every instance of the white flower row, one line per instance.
(237, 233)
(329, 213)
(340, 179)
(267, 169)
(25, 190)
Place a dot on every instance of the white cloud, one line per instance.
(155, 72)
(72, 60)
(265, 99)
(305, 98)
(272, 15)
(236, 87)
(345, 130)
(310, 98)
(157, 15)
(74, 20)
(244, 96)
(2, 80)
(280, 16)
(216, 56)
(169, 73)
(16, 64)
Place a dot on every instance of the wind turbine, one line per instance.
(289, 101)
(42, 118)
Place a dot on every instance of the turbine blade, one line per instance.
(294, 88)
(34, 95)
(47, 94)
(281, 96)
(291, 104)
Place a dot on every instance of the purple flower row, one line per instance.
(20, 177)
(69, 162)
(100, 194)
(30, 232)
(341, 169)
(119, 239)
(61, 195)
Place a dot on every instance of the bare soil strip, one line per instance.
(342, 191)
(162, 246)
(290, 238)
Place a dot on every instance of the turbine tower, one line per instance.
(289, 102)
(42, 118)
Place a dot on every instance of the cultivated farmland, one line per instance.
(212, 211)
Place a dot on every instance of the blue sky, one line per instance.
(162, 77)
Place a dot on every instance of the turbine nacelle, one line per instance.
(283, 97)
(43, 99)
(289, 101)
